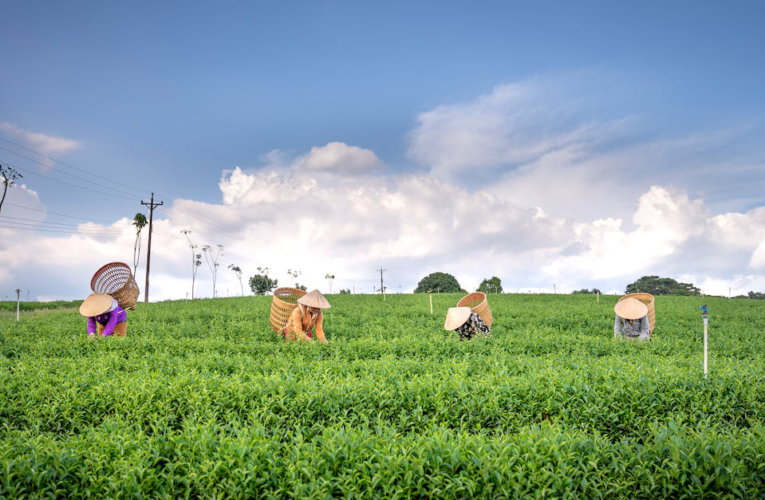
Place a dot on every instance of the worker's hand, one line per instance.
(324, 341)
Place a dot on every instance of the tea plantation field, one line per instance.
(203, 400)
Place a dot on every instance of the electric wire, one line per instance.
(91, 230)
(111, 195)
(142, 191)
(35, 222)
(60, 230)
(50, 167)
(57, 213)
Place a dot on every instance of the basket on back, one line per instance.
(282, 305)
(478, 303)
(117, 280)
(648, 300)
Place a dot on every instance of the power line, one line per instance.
(47, 230)
(142, 191)
(58, 214)
(111, 195)
(52, 226)
(50, 167)
(36, 222)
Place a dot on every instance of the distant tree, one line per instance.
(345, 291)
(438, 282)
(9, 176)
(756, 295)
(196, 260)
(492, 285)
(661, 286)
(294, 273)
(139, 221)
(586, 290)
(238, 271)
(261, 284)
(330, 278)
(300, 287)
(212, 257)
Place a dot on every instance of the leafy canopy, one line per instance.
(439, 282)
(261, 284)
(661, 286)
(492, 285)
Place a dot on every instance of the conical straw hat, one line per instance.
(95, 304)
(314, 299)
(630, 309)
(456, 317)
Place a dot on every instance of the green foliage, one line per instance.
(261, 284)
(492, 285)
(756, 295)
(140, 221)
(586, 290)
(662, 286)
(439, 283)
(345, 291)
(202, 399)
(10, 305)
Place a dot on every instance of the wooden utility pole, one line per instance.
(151, 206)
(382, 285)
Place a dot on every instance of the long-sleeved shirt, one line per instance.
(637, 328)
(472, 327)
(108, 319)
(301, 324)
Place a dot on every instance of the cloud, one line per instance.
(412, 225)
(340, 158)
(519, 184)
(513, 125)
(543, 143)
(46, 144)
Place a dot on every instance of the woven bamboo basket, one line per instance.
(282, 305)
(648, 300)
(479, 304)
(117, 280)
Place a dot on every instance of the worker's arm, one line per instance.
(617, 326)
(109, 328)
(645, 328)
(320, 328)
(91, 326)
(297, 323)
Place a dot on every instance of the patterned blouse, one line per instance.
(472, 327)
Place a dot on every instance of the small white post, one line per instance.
(431, 303)
(18, 300)
(598, 297)
(704, 312)
(706, 346)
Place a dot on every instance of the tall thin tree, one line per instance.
(212, 257)
(9, 175)
(139, 221)
(196, 260)
(238, 271)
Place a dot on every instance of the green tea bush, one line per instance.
(202, 399)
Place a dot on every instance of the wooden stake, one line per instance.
(18, 300)
(598, 299)
(431, 303)
(152, 206)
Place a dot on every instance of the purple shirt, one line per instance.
(109, 319)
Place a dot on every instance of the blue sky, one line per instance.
(167, 96)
